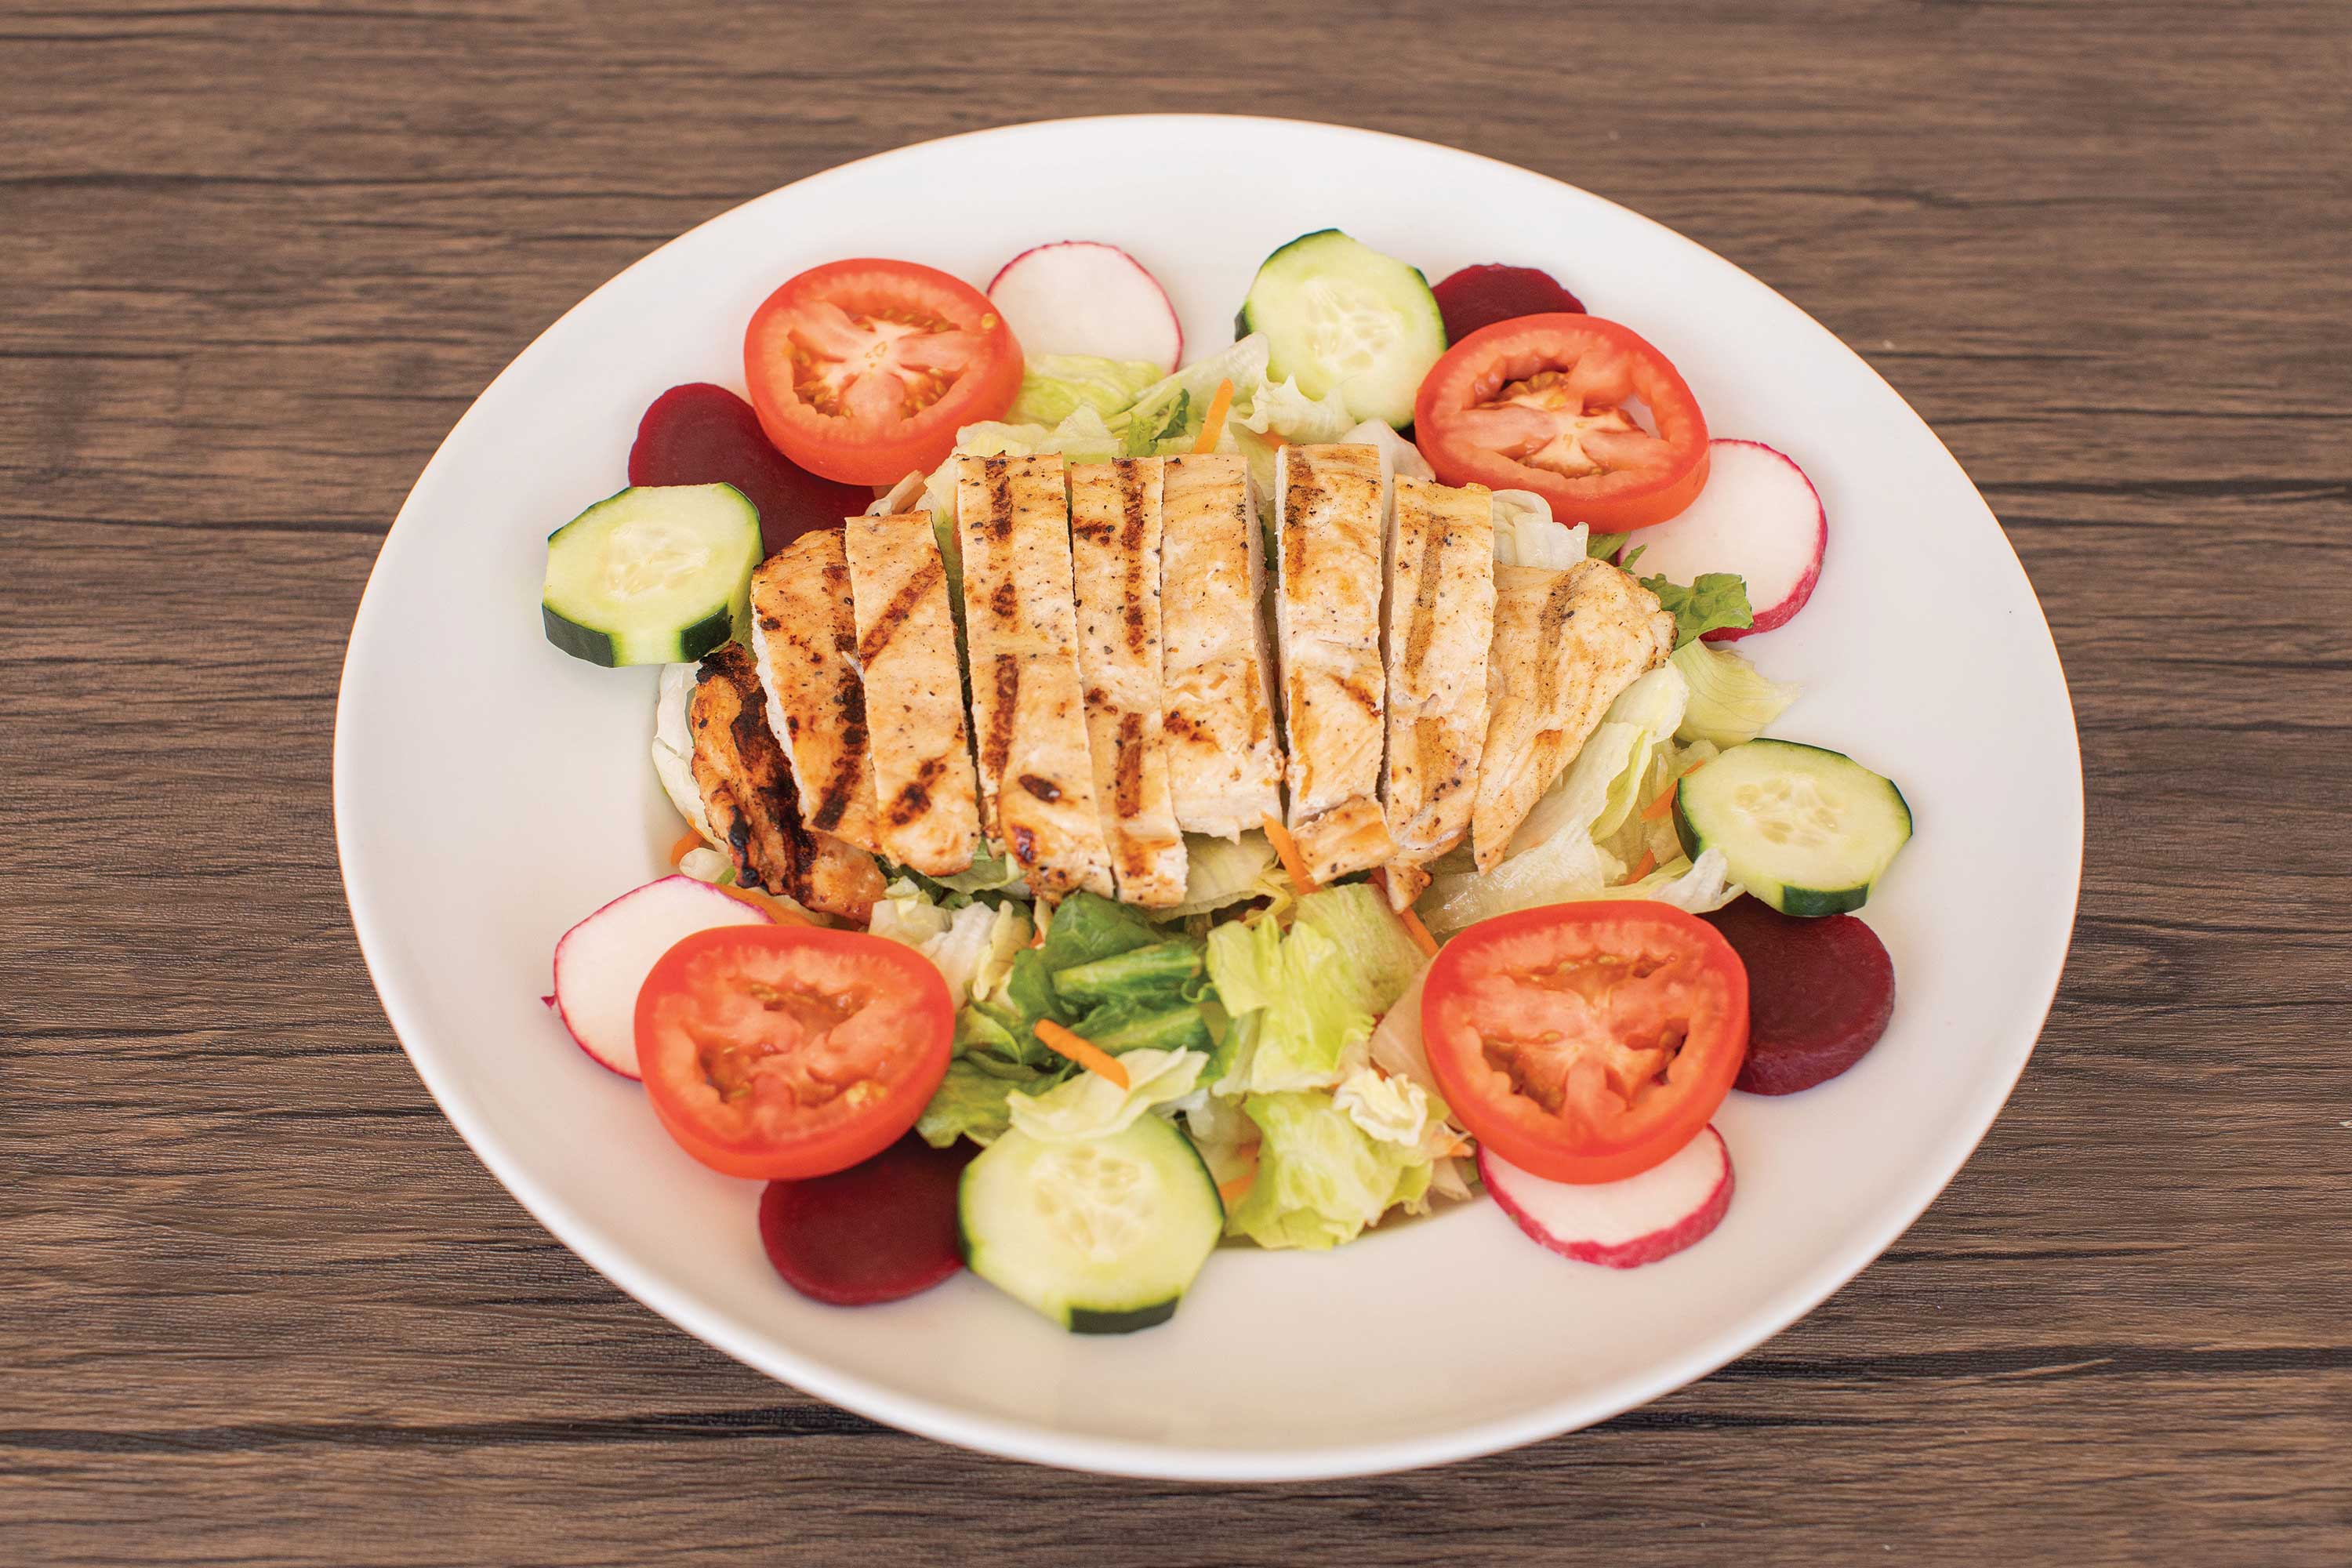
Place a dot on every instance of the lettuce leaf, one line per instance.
(1055, 386)
(971, 945)
(1526, 534)
(970, 1102)
(1730, 701)
(1091, 1105)
(1219, 871)
(1717, 601)
(1303, 1004)
(1377, 958)
(1558, 853)
(1320, 1179)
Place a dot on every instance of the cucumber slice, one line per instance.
(658, 575)
(1337, 313)
(1806, 830)
(1102, 1235)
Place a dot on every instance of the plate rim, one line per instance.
(1038, 1441)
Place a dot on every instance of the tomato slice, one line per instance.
(862, 371)
(1586, 1042)
(791, 1051)
(1541, 404)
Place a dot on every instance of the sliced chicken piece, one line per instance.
(1441, 620)
(1328, 505)
(1565, 644)
(804, 636)
(1036, 774)
(927, 813)
(748, 795)
(1115, 536)
(1225, 765)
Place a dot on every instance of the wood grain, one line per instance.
(261, 1305)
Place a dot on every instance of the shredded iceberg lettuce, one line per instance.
(1560, 852)
(1090, 1105)
(973, 947)
(1322, 1179)
(1526, 534)
(673, 748)
(1055, 386)
(1730, 701)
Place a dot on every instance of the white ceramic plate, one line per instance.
(489, 791)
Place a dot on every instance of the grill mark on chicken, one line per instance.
(1000, 499)
(1299, 497)
(1422, 628)
(912, 801)
(1127, 786)
(895, 615)
(1130, 499)
(1558, 611)
(749, 794)
(997, 744)
(839, 789)
(1044, 789)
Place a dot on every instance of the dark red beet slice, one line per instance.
(704, 435)
(1478, 296)
(1820, 992)
(876, 1232)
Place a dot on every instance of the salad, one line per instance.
(1132, 807)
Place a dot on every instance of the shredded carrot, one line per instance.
(774, 909)
(1644, 866)
(1665, 801)
(1418, 931)
(687, 844)
(1287, 848)
(1083, 1051)
(1214, 424)
(1232, 1191)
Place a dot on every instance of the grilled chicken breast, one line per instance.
(804, 636)
(1036, 774)
(1224, 767)
(1115, 534)
(1328, 504)
(1565, 644)
(926, 810)
(1441, 621)
(748, 795)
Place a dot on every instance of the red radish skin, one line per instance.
(699, 433)
(1620, 1225)
(1480, 296)
(1082, 297)
(879, 1231)
(602, 963)
(1819, 993)
(1758, 515)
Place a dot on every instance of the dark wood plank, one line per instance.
(262, 1305)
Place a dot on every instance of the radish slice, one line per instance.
(1759, 517)
(1620, 1225)
(1080, 297)
(602, 963)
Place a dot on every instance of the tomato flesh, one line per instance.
(862, 371)
(791, 1051)
(1545, 403)
(1586, 1042)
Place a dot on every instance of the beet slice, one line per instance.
(878, 1231)
(1819, 993)
(1480, 296)
(704, 435)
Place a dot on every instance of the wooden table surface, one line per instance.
(258, 1304)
